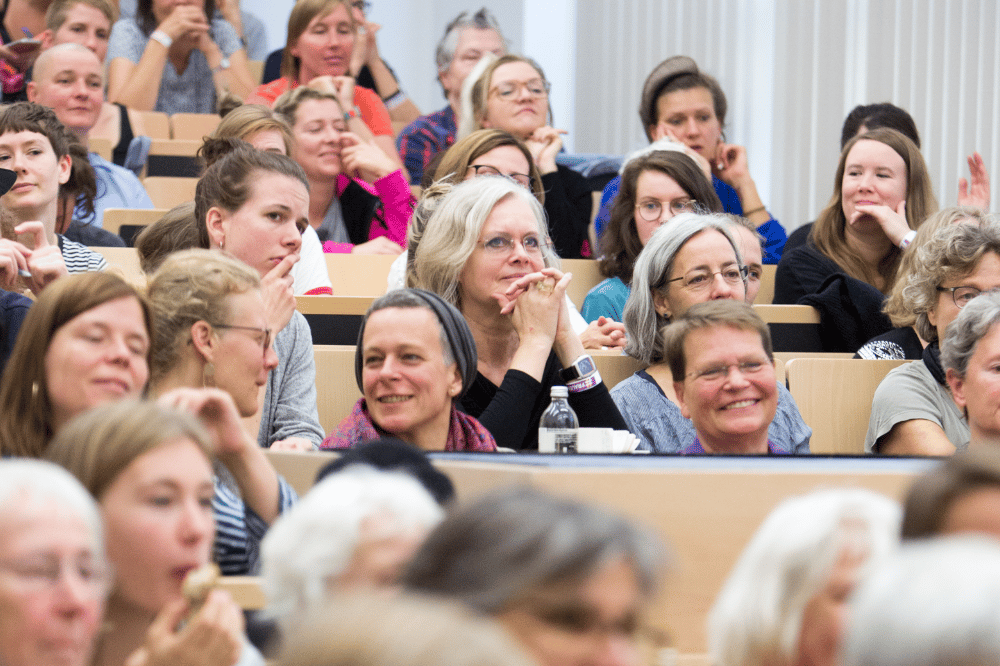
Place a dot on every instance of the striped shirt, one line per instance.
(239, 530)
(80, 258)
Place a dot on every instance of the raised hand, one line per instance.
(364, 160)
(978, 193)
(893, 222)
(544, 144)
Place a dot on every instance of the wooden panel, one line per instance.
(125, 262)
(766, 292)
(245, 591)
(615, 366)
(358, 274)
(834, 397)
(788, 356)
(336, 389)
(114, 218)
(256, 68)
(156, 124)
(299, 467)
(193, 126)
(101, 146)
(334, 305)
(787, 314)
(183, 147)
(168, 191)
(585, 277)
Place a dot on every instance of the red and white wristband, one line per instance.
(584, 383)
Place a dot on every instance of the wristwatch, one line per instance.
(581, 367)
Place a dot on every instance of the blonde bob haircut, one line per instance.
(249, 119)
(303, 12)
(757, 618)
(828, 233)
(480, 91)
(453, 229)
(191, 286)
(99, 444)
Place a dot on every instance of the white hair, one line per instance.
(937, 603)
(757, 617)
(316, 540)
(40, 484)
(466, 117)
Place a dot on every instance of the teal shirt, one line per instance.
(606, 299)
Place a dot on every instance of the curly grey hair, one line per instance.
(643, 323)
(972, 324)
(943, 250)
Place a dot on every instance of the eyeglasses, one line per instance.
(537, 88)
(503, 245)
(961, 295)
(43, 573)
(265, 343)
(522, 179)
(702, 280)
(652, 209)
(362, 5)
(719, 373)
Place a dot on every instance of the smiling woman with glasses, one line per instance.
(485, 251)
(913, 411)
(689, 260)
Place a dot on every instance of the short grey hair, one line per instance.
(316, 540)
(937, 600)
(973, 322)
(652, 268)
(36, 483)
(516, 541)
(757, 617)
(481, 20)
(453, 230)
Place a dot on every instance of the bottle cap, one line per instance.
(559, 391)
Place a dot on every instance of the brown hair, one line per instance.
(25, 411)
(828, 233)
(176, 230)
(710, 314)
(303, 12)
(620, 244)
(687, 81)
(98, 445)
(249, 119)
(55, 16)
(456, 160)
(932, 495)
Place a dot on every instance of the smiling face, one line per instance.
(978, 393)
(690, 115)
(71, 83)
(510, 104)
(591, 624)
(317, 129)
(87, 26)
(984, 277)
(491, 271)
(655, 187)
(324, 48)
(731, 407)
(874, 174)
(40, 172)
(705, 252)
(159, 523)
(408, 388)
(268, 227)
(241, 361)
(41, 626)
(97, 356)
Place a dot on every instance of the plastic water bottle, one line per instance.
(558, 427)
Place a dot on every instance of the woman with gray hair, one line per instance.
(567, 580)
(355, 529)
(913, 411)
(53, 574)
(486, 251)
(783, 602)
(690, 259)
(969, 356)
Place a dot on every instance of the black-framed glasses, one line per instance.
(652, 209)
(702, 280)
(265, 343)
(961, 295)
(522, 179)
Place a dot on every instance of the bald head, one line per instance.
(69, 79)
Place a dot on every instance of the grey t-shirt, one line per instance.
(910, 392)
(333, 228)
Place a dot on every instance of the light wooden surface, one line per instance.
(787, 314)
(168, 191)
(336, 389)
(256, 68)
(114, 218)
(766, 292)
(101, 146)
(358, 274)
(834, 397)
(333, 305)
(245, 591)
(181, 147)
(585, 277)
(193, 126)
(125, 262)
(156, 124)
(614, 366)
(788, 356)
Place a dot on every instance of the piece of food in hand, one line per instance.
(197, 585)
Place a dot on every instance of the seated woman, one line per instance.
(913, 411)
(84, 342)
(253, 205)
(904, 342)
(318, 51)
(681, 103)
(486, 251)
(730, 413)
(349, 215)
(513, 95)
(174, 57)
(265, 130)
(690, 260)
(654, 188)
(785, 599)
(150, 469)
(415, 360)
(882, 193)
(959, 496)
(546, 568)
(968, 356)
(48, 160)
(52, 613)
